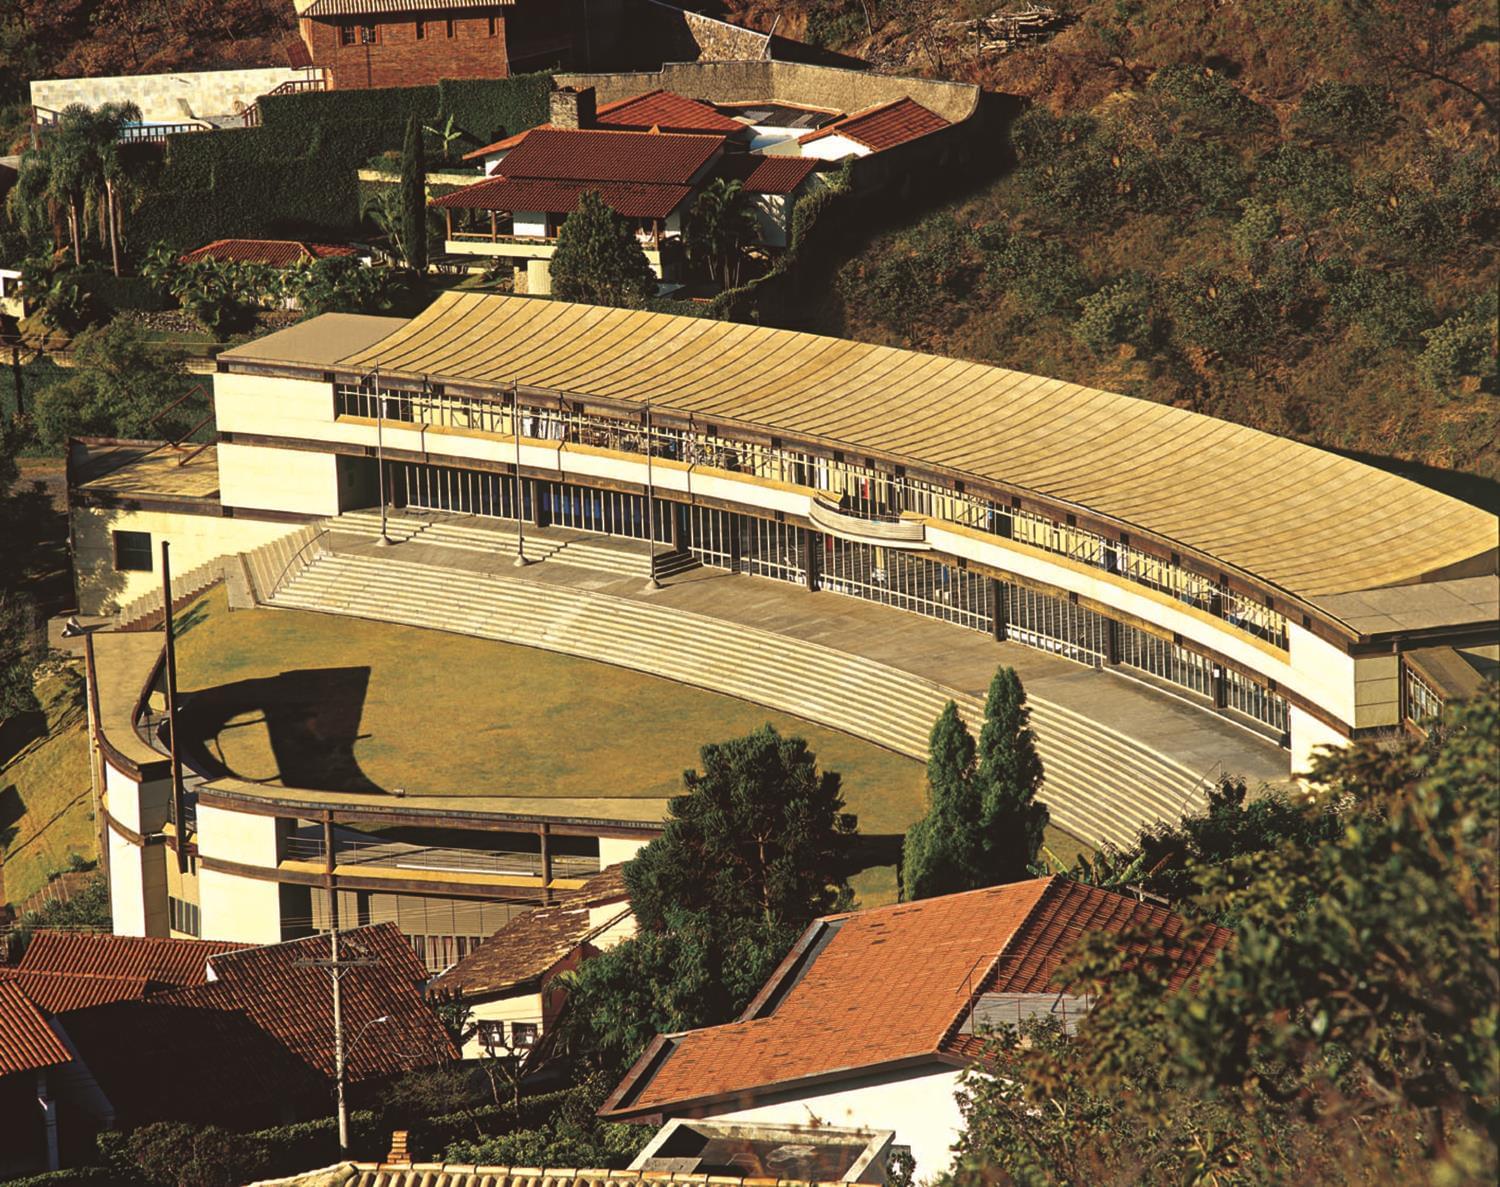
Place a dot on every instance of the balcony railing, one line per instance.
(296, 86)
(437, 859)
(865, 526)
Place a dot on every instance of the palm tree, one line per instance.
(721, 225)
(115, 167)
(384, 209)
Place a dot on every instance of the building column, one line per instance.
(49, 1118)
(736, 550)
(544, 835)
(1111, 642)
(811, 544)
(1221, 699)
(999, 609)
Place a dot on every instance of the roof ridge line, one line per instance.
(1053, 881)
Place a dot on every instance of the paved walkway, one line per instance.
(950, 655)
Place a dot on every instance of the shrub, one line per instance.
(1384, 301)
(1210, 100)
(1043, 272)
(1462, 346)
(1118, 313)
(1258, 227)
(1341, 111)
(1311, 181)
(1221, 312)
(598, 259)
(176, 1154)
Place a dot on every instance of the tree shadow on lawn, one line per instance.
(312, 721)
(872, 850)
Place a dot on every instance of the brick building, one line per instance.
(392, 43)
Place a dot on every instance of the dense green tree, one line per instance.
(21, 639)
(1340, 111)
(721, 226)
(1464, 345)
(943, 852)
(755, 849)
(414, 198)
(120, 384)
(1009, 776)
(598, 260)
(760, 833)
(1118, 313)
(1347, 1035)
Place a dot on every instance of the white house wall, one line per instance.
(246, 910)
(833, 148)
(256, 478)
(919, 1105)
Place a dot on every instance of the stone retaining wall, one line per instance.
(167, 98)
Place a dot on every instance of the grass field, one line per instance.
(46, 812)
(344, 704)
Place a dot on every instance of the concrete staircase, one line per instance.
(1101, 785)
(497, 538)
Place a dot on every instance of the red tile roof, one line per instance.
(883, 127)
(261, 1035)
(633, 200)
(666, 111)
(167, 961)
(892, 986)
(660, 111)
(570, 154)
(766, 175)
(56, 993)
(278, 253)
(27, 1041)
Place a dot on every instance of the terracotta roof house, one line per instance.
(774, 185)
(253, 1041)
(509, 981)
(276, 253)
(649, 177)
(874, 129)
(155, 959)
(654, 111)
(872, 1016)
(32, 1054)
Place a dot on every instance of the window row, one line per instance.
(442, 952)
(859, 489)
(373, 34)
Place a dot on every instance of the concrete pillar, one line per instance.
(544, 836)
(1111, 642)
(999, 608)
(811, 544)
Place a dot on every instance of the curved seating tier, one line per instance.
(1101, 785)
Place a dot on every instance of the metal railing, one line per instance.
(437, 859)
(251, 116)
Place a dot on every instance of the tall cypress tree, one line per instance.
(1009, 775)
(414, 197)
(942, 851)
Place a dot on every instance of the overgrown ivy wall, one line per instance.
(294, 176)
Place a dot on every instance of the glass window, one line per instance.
(346, 35)
(132, 552)
(367, 35)
(421, 30)
(523, 1034)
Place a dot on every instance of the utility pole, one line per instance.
(179, 814)
(380, 452)
(336, 969)
(651, 581)
(515, 424)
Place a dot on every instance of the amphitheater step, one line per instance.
(1101, 784)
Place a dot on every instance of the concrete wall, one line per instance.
(789, 82)
(195, 539)
(256, 478)
(247, 910)
(919, 1105)
(519, 1007)
(613, 850)
(167, 98)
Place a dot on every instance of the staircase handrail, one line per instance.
(281, 578)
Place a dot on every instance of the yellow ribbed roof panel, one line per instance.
(1300, 518)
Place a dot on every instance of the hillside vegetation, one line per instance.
(1279, 214)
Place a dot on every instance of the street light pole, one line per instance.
(380, 453)
(651, 581)
(515, 424)
(337, 967)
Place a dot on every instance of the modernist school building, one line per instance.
(1286, 588)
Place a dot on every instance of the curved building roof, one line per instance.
(1305, 520)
